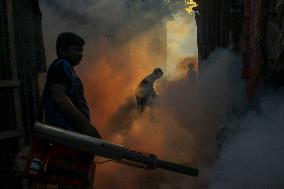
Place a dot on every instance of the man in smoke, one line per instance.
(145, 92)
(64, 103)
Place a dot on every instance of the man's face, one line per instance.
(74, 54)
(190, 67)
(159, 75)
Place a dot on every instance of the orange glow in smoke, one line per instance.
(115, 73)
(110, 80)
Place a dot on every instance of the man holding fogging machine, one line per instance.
(64, 103)
(64, 106)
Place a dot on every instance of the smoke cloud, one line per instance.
(181, 45)
(190, 110)
(183, 125)
(117, 21)
(253, 157)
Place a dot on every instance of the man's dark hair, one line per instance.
(68, 39)
(157, 70)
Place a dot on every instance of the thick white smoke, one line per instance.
(190, 112)
(93, 20)
(90, 19)
(254, 157)
(186, 120)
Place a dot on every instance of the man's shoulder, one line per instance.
(60, 63)
(61, 72)
(144, 81)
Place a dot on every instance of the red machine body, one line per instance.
(57, 164)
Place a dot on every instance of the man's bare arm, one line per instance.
(82, 124)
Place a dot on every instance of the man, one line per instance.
(64, 103)
(145, 91)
